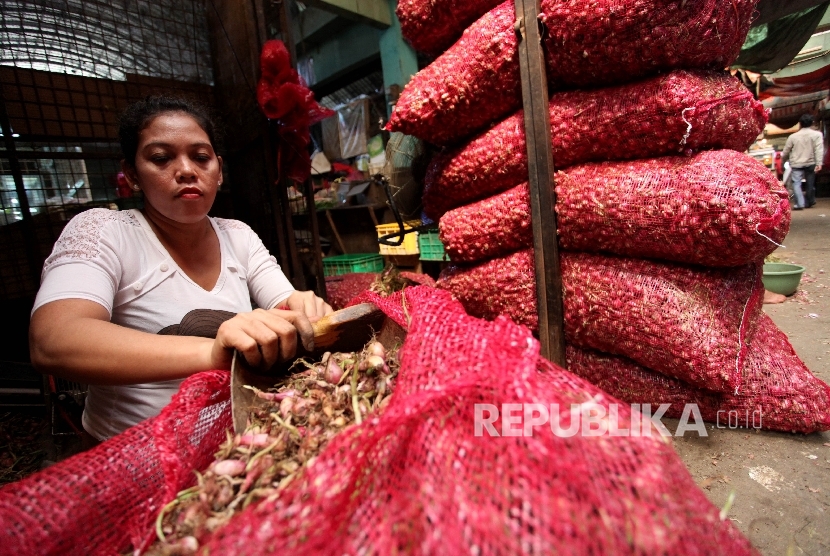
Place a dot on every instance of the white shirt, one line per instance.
(115, 259)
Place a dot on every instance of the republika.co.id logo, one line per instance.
(594, 419)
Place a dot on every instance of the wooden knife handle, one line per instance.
(347, 329)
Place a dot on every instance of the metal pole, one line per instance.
(540, 177)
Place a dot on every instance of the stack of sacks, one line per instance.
(677, 113)
(662, 220)
(476, 81)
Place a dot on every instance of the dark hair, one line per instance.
(138, 116)
(806, 120)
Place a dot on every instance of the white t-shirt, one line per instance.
(115, 259)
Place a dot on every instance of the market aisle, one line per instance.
(805, 316)
(781, 481)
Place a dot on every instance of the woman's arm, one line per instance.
(73, 338)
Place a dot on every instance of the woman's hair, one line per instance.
(806, 120)
(138, 116)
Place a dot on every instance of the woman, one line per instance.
(115, 279)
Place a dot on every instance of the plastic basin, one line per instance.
(782, 278)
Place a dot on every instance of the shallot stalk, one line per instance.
(358, 416)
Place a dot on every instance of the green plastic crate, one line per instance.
(431, 247)
(346, 264)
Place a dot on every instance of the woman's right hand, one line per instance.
(263, 337)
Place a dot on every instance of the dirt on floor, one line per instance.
(781, 482)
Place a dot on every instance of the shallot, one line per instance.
(309, 408)
(333, 372)
(376, 348)
(229, 467)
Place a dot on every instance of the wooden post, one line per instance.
(540, 177)
(281, 185)
(317, 249)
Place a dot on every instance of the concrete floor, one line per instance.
(781, 481)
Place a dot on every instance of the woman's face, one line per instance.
(176, 168)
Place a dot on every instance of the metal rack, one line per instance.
(68, 69)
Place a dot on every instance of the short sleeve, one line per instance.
(267, 284)
(84, 263)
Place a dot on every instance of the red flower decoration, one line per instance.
(283, 97)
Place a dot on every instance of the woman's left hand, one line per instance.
(307, 303)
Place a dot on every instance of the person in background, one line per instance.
(778, 165)
(805, 151)
(117, 278)
(787, 181)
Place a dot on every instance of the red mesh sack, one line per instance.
(363, 295)
(343, 288)
(779, 392)
(418, 278)
(417, 479)
(105, 500)
(612, 41)
(432, 27)
(395, 305)
(690, 323)
(680, 111)
(476, 81)
(717, 208)
(473, 83)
